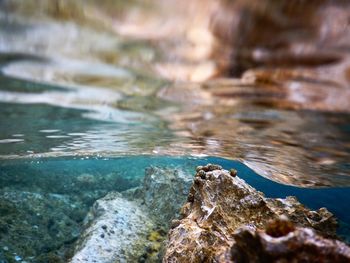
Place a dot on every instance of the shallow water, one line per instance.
(94, 92)
(83, 111)
(44, 201)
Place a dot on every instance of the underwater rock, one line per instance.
(130, 226)
(218, 204)
(117, 230)
(282, 242)
(37, 227)
(163, 192)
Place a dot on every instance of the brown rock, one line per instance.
(219, 204)
(289, 245)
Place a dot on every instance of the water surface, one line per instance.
(85, 109)
(95, 92)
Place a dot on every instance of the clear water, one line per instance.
(93, 92)
(82, 113)
(40, 124)
(44, 201)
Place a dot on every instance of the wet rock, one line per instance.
(233, 172)
(37, 226)
(163, 192)
(282, 242)
(208, 167)
(49, 258)
(131, 226)
(219, 205)
(86, 180)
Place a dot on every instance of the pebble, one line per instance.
(199, 168)
(233, 172)
(202, 174)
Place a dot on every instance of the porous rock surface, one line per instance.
(117, 228)
(163, 192)
(218, 204)
(283, 242)
(128, 226)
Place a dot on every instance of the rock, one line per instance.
(131, 226)
(219, 204)
(292, 244)
(163, 192)
(86, 179)
(233, 172)
(117, 231)
(208, 167)
(37, 226)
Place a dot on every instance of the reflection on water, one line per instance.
(297, 147)
(76, 87)
(83, 84)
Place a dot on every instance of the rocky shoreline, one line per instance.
(226, 220)
(223, 220)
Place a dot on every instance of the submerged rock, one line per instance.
(117, 231)
(163, 192)
(218, 204)
(130, 226)
(37, 227)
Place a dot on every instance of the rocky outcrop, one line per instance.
(163, 192)
(130, 226)
(223, 220)
(282, 242)
(218, 204)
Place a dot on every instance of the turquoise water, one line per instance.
(335, 199)
(59, 153)
(48, 198)
(53, 121)
(86, 114)
(55, 175)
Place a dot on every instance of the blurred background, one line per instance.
(265, 82)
